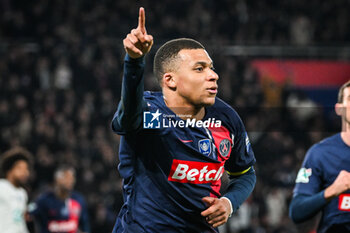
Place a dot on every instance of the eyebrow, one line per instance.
(203, 63)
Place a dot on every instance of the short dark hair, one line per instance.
(341, 91)
(168, 52)
(10, 157)
(63, 168)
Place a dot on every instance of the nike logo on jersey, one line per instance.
(185, 141)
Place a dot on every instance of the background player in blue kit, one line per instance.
(61, 210)
(176, 144)
(323, 182)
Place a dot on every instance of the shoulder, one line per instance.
(153, 99)
(223, 108)
(326, 143)
(227, 114)
(219, 103)
(78, 197)
(319, 150)
(43, 202)
(334, 140)
(4, 187)
(45, 196)
(3, 183)
(152, 95)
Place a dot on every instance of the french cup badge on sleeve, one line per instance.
(303, 175)
(204, 146)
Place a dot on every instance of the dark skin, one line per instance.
(19, 173)
(192, 87)
(64, 184)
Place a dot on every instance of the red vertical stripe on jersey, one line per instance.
(74, 213)
(69, 225)
(219, 134)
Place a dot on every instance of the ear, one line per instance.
(169, 80)
(339, 109)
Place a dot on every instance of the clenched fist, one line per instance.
(340, 185)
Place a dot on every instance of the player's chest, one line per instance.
(58, 209)
(334, 161)
(206, 142)
(63, 216)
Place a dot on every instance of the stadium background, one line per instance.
(60, 76)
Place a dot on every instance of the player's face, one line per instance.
(66, 181)
(20, 173)
(196, 81)
(346, 105)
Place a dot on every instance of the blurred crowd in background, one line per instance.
(60, 75)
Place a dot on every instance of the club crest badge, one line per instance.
(204, 146)
(224, 147)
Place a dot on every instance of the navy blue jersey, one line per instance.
(321, 166)
(170, 164)
(60, 216)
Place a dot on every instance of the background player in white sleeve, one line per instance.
(13, 197)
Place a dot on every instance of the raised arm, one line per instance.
(137, 44)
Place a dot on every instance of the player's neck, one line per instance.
(61, 194)
(183, 109)
(345, 135)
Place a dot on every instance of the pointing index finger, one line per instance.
(142, 20)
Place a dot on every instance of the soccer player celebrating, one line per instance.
(176, 144)
(62, 210)
(13, 198)
(323, 182)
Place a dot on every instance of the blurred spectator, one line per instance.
(301, 31)
(13, 197)
(62, 209)
(276, 205)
